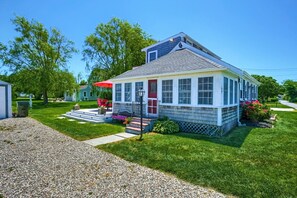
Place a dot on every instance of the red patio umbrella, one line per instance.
(104, 84)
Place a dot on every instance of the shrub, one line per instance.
(274, 99)
(164, 118)
(255, 111)
(166, 127)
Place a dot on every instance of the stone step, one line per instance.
(137, 124)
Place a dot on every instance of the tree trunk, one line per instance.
(45, 97)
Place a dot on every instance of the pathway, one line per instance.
(109, 139)
(287, 103)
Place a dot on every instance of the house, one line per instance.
(5, 100)
(85, 92)
(188, 83)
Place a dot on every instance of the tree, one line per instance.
(291, 89)
(37, 56)
(83, 82)
(115, 47)
(269, 87)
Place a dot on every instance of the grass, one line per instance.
(276, 105)
(249, 162)
(47, 114)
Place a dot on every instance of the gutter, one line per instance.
(168, 74)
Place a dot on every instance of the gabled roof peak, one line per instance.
(187, 39)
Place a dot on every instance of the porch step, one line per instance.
(134, 125)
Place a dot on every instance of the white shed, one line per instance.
(5, 100)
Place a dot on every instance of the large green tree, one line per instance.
(114, 48)
(291, 89)
(269, 87)
(38, 56)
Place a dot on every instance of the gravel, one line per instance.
(37, 161)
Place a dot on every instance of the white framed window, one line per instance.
(118, 92)
(231, 92)
(236, 92)
(138, 85)
(91, 93)
(85, 94)
(184, 91)
(248, 88)
(205, 90)
(153, 55)
(226, 87)
(167, 91)
(243, 90)
(128, 90)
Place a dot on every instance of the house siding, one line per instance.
(201, 115)
(229, 118)
(164, 48)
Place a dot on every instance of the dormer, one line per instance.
(173, 43)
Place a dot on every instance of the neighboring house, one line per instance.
(188, 83)
(85, 93)
(5, 100)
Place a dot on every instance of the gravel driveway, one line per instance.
(37, 161)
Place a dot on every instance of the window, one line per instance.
(205, 90)
(247, 95)
(167, 91)
(184, 91)
(128, 88)
(85, 94)
(236, 92)
(226, 91)
(152, 55)
(138, 85)
(244, 94)
(118, 92)
(252, 91)
(91, 93)
(231, 92)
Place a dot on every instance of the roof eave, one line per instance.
(168, 74)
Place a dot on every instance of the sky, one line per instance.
(257, 36)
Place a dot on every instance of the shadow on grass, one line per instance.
(234, 138)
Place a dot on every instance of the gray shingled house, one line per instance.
(188, 83)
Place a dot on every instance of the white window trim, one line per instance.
(115, 98)
(148, 55)
(162, 91)
(207, 105)
(127, 92)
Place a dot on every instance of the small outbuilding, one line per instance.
(5, 100)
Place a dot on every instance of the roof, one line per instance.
(83, 86)
(182, 34)
(3, 83)
(178, 61)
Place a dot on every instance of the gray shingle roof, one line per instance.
(179, 61)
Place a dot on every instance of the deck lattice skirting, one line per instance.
(205, 129)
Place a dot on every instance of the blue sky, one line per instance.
(258, 36)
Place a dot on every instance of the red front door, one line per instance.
(152, 97)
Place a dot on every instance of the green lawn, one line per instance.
(249, 162)
(276, 105)
(47, 114)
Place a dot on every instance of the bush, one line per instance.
(255, 111)
(166, 127)
(274, 99)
